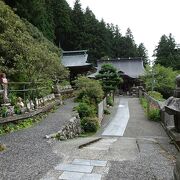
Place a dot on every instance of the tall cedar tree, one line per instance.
(167, 54)
(74, 29)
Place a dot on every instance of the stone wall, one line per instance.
(101, 107)
(71, 130)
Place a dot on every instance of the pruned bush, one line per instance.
(86, 110)
(110, 101)
(106, 111)
(154, 114)
(89, 90)
(90, 124)
(156, 95)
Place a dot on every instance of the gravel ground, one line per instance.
(29, 155)
(152, 163)
(156, 157)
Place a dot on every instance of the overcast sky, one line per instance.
(148, 19)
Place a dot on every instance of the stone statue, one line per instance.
(20, 102)
(4, 83)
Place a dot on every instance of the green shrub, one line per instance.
(154, 114)
(17, 109)
(143, 102)
(156, 95)
(4, 111)
(86, 110)
(106, 111)
(89, 90)
(13, 98)
(90, 124)
(110, 101)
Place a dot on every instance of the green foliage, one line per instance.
(161, 79)
(154, 114)
(11, 127)
(110, 101)
(156, 95)
(25, 54)
(143, 102)
(106, 111)
(167, 54)
(2, 147)
(90, 124)
(89, 90)
(78, 29)
(13, 98)
(4, 111)
(109, 77)
(86, 110)
(17, 109)
(142, 52)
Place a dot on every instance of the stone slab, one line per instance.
(89, 162)
(91, 177)
(74, 168)
(71, 175)
(79, 176)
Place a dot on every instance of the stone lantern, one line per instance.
(173, 105)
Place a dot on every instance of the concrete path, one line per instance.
(119, 122)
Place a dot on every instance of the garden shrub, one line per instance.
(156, 95)
(106, 111)
(4, 111)
(13, 98)
(154, 114)
(89, 90)
(86, 110)
(143, 102)
(110, 101)
(90, 124)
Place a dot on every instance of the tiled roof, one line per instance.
(132, 67)
(75, 58)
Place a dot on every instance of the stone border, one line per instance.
(71, 130)
(30, 114)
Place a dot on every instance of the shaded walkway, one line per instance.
(29, 155)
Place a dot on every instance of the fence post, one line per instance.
(148, 106)
(24, 93)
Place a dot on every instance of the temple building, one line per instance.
(130, 69)
(76, 62)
